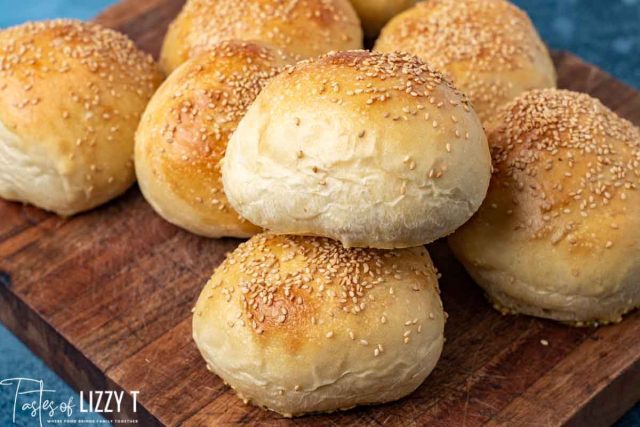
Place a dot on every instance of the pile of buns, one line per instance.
(339, 164)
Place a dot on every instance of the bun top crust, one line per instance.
(490, 48)
(564, 194)
(332, 137)
(304, 28)
(302, 324)
(71, 94)
(570, 165)
(51, 69)
(184, 132)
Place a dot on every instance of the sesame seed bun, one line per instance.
(71, 95)
(301, 324)
(375, 13)
(371, 149)
(184, 131)
(489, 48)
(305, 28)
(559, 233)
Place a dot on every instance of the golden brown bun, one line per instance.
(375, 13)
(71, 95)
(370, 149)
(559, 233)
(305, 28)
(489, 48)
(184, 132)
(301, 324)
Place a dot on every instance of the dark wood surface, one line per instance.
(105, 299)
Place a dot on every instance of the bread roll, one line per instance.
(559, 233)
(370, 149)
(305, 28)
(375, 13)
(301, 324)
(488, 47)
(71, 95)
(184, 131)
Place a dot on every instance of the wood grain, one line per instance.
(104, 298)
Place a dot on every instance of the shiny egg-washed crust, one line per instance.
(71, 95)
(559, 233)
(375, 13)
(489, 48)
(301, 324)
(371, 149)
(184, 131)
(304, 28)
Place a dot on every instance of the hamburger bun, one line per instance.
(559, 233)
(304, 28)
(184, 131)
(374, 150)
(71, 95)
(301, 324)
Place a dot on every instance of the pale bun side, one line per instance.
(184, 131)
(370, 149)
(559, 233)
(489, 48)
(304, 28)
(71, 95)
(301, 324)
(375, 13)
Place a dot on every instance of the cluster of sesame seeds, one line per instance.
(379, 77)
(285, 278)
(40, 57)
(568, 154)
(208, 99)
(328, 24)
(57, 46)
(487, 36)
(379, 81)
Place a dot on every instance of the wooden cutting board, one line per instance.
(104, 298)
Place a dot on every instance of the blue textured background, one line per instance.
(606, 33)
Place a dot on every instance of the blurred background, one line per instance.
(604, 32)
